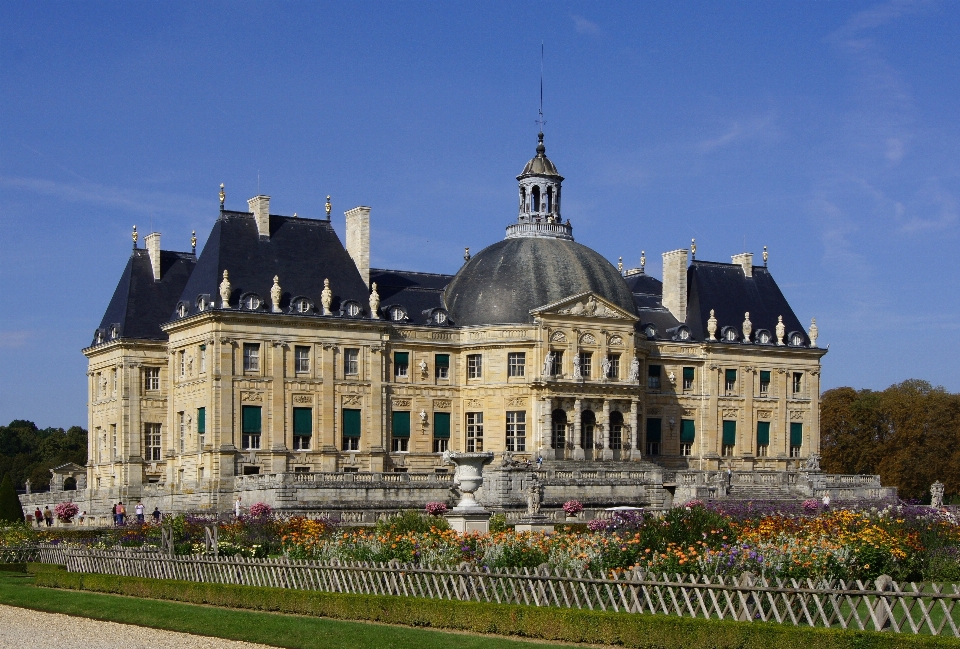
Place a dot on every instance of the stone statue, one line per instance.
(548, 365)
(326, 297)
(605, 366)
(27, 484)
(634, 370)
(534, 497)
(225, 289)
(576, 367)
(423, 368)
(781, 330)
(374, 302)
(423, 418)
(712, 326)
(672, 378)
(812, 463)
(747, 327)
(814, 332)
(275, 294)
(936, 495)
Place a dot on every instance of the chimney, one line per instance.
(358, 239)
(675, 282)
(152, 243)
(260, 206)
(744, 259)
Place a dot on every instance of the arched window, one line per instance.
(536, 198)
(588, 424)
(523, 199)
(559, 436)
(616, 431)
(549, 200)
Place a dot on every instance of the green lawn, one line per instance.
(267, 628)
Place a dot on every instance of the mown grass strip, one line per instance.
(550, 624)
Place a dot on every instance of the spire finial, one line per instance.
(223, 196)
(540, 120)
(643, 260)
(135, 237)
(620, 265)
(766, 255)
(328, 207)
(693, 248)
(466, 254)
(193, 241)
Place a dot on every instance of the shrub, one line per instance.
(572, 507)
(436, 508)
(498, 523)
(410, 521)
(10, 509)
(260, 510)
(66, 511)
(811, 506)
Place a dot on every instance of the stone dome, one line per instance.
(503, 282)
(540, 164)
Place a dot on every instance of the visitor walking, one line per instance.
(139, 510)
(156, 514)
(121, 513)
(38, 516)
(826, 501)
(48, 516)
(116, 516)
(237, 508)
(83, 515)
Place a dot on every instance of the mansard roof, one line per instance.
(301, 252)
(139, 304)
(417, 293)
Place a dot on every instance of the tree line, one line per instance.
(908, 434)
(28, 453)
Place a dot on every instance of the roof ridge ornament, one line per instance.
(223, 196)
(374, 302)
(643, 261)
(693, 248)
(326, 297)
(766, 256)
(135, 237)
(328, 207)
(781, 330)
(712, 326)
(275, 294)
(193, 241)
(814, 332)
(225, 289)
(747, 327)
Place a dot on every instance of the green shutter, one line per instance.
(688, 431)
(763, 433)
(441, 425)
(351, 423)
(201, 420)
(688, 374)
(796, 434)
(303, 421)
(764, 376)
(401, 424)
(729, 432)
(401, 358)
(731, 376)
(653, 430)
(442, 360)
(251, 419)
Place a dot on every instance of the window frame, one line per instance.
(251, 357)
(728, 384)
(689, 381)
(765, 385)
(301, 359)
(351, 361)
(401, 370)
(654, 381)
(474, 432)
(516, 364)
(151, 377)
(586, 360)
(797, 383)
(441, 368)
(516, 439)
(614, 372)
(474, 366)
(152, 432)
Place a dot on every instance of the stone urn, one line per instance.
(468, 515)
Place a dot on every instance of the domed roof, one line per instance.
(503, 282)
(540, 165)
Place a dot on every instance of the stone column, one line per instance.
(279, 442)
(714, 434)
(607, 452)
(783, 417)
(547, 452)
(749, 437)
(635, 452)
(813, 388)
(329, 410)
(578, 453)
(373, 435)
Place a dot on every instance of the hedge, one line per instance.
(642, 631)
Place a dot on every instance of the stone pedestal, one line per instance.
(469, 515)
(538, 523)
(469, 521)
(578, 453)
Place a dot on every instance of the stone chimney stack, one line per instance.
(152, 243)
(358, 239)
(744, 259)
(675, 265)
(260, 206)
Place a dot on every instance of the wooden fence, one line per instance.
(882, 606)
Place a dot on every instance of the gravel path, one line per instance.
(22, 628)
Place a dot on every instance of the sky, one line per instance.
(826, 131)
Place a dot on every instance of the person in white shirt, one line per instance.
(139, 510)
(237, 508)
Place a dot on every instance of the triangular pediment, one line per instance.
(585, 305)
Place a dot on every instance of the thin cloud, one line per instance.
(741, 131)
(584, 26)
(14, 339)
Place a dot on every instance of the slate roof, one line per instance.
(139, 304)
(302, 252)
(417, 293)
(540, 164)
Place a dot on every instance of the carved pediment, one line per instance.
(585, 305)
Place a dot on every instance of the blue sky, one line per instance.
(826, 131)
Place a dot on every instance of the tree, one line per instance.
(10, 509)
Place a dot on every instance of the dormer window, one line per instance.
(302, 305)
(764, 337)
(182, 310)
(202, 303)
(796, 339)
(250, 302)
(729, 334)
(650, 331)
(97, 337)
(114, 332)
(437, 317)
(397, 314)
(352, 309)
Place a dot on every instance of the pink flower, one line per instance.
(573, 507)
(66, 511)
(436, 508)
(260, 510)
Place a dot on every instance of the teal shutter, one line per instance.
(441, 425)
(251, 419)
(303, 421)
(763, 433)
(201, 420)
(731, 376)
(401, 358)
(653, 430)
(729, 432)
(796, 434)
(688, 374)
(442, 360)
(765, 376)
(401, 424)
(351, 423)
(688, 431)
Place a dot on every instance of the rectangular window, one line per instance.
(763, 438)
(400, 432)
(201, 427)
(797, 382)
(182, 421)
(516, 363)
(183, 364)
(764, 382)
(151, 442)
(688, 376)
(441, 431)
(796, 438)
(474, 366)
(729, 437)
(250, 427)
(251, 357)
(653, 377)
(351, 429)
(653, 436)
(301, 359)
(151, 377)
(517, 431)
(474, 432)
(585, 360)
(351, 362)
(613, 366)
(557, 363)
(116, 374)
(730, 380)
(302, 428)
(559, 434)
(616, 437)
(401, 364)
(688, 433)
(441, 363)
(203, 358)
(116, 449)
